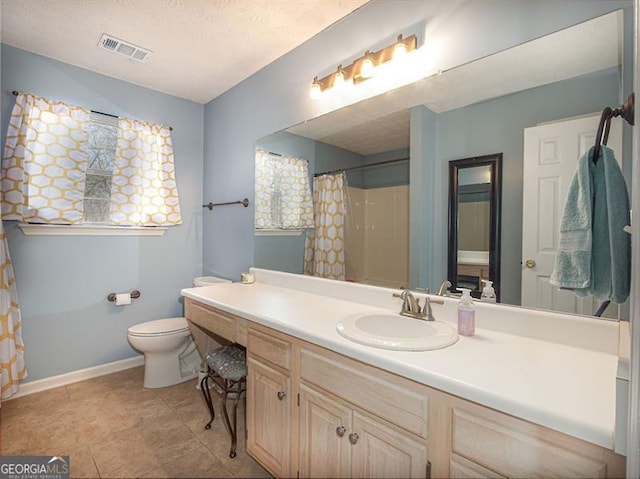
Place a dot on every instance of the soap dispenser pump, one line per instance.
(488, 293)
(466, 314)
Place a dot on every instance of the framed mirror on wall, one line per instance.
(475, 193)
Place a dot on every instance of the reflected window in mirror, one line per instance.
(474, 223)
(283, 194)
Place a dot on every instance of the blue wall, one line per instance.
(278, 96)
(63, 281)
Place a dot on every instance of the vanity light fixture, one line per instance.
(400, 49)
(363, 67)
(316, 89)
(339, 78)
(367, 67)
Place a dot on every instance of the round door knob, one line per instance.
(282, 395)
(530, 263)
(353, 438)
(340, 430)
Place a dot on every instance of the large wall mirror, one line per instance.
(475, 191)
(487, 106)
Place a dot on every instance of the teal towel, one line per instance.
(601, 265)
(572, 269)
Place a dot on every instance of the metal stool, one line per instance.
(227, 368)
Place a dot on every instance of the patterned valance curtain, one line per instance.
(61, 166)
(44, 162)
(283, 194)
(143, 186)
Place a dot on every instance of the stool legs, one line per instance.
(236, 389)
(227, 387)
(206, 392)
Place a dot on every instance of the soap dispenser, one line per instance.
(466, 314)
(488, 293)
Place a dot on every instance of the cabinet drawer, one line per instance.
(462, 468)
(398, 400)
(275, 350)
(223, 324)
(516, 448)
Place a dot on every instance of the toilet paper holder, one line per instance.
(135, 294)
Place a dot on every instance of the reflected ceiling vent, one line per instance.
(129, 50)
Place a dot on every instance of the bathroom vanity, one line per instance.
(532, 394)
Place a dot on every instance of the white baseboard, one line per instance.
(75, 376)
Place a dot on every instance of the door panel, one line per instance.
(551, 153)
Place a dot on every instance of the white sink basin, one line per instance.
(392, 331)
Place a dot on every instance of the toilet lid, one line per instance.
(160, 327)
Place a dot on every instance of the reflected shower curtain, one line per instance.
(12, 366)
(324, 246)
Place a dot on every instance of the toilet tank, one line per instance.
(209, 280)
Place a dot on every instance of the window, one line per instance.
(65, 165)
(283, 194)
(102, 137)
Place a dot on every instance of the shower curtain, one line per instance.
(12, 366)
(324, 245)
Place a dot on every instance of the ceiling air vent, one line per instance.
(129, 50)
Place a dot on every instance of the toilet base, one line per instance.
(162, 370)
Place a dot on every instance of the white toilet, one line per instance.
(170, 355)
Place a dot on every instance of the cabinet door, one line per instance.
(325, 425)
(379, 451)
(268, 417)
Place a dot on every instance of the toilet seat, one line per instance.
(160, 327)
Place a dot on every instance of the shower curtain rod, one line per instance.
(379, 163)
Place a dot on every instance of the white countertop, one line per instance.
(564, 385)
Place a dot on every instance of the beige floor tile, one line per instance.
(82, 464)
(36, 401)
(125, 454)
(168, 437)
(197, 463)
(180, 395)
(112, 427)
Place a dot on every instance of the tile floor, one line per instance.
(112, 427)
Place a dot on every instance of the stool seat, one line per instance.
(228, 361)
(227, 368)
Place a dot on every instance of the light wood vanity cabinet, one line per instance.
(358, 421)
(315, 413)
(269, 409)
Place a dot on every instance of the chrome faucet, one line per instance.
(411, 305)
(444, 288)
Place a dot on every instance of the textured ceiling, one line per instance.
(201, 48)
(382, 122)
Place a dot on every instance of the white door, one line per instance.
(551, 153)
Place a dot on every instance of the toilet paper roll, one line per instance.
(123, 299)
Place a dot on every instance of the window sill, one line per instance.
(278, 232)
(89, 230)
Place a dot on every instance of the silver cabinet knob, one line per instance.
(340, 430)
(530, 263)
(353, 438)
(282, 395)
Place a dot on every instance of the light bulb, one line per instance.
(400, 50)
(338, 79)
(367, 68)
(316, 90)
